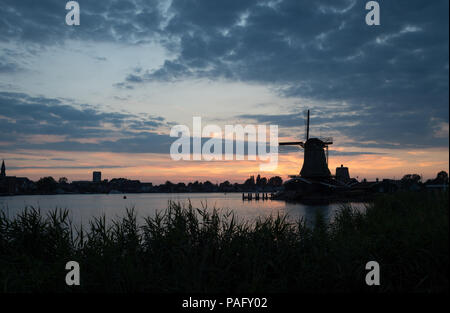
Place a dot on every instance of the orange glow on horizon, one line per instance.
(158, 168)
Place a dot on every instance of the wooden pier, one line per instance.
(255, 196)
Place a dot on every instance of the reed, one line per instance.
(185, 249)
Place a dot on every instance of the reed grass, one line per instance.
(185, 249)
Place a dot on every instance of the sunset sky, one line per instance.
(104, 95)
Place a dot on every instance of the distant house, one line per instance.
(388, 185)
(15, 185)
(384, 186)
(442, 187)
(440, 183)
(10, 185)
(342, 174)
(96, 177)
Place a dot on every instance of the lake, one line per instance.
(83, 207)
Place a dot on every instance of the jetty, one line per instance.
(256, 196)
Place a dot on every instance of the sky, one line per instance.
(104, 95)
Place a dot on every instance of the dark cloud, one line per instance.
(23, 116)
(414, 128)
(124, 86)
(295, 149)
(389, 83)
(34, 159)
(6, 67)
(352, 153)
(8, 62)
(80, 128)
(43, 22)
(386, 84)
(63, 167)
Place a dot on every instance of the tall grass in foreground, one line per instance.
(190, 250)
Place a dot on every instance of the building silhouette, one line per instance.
(342, 174)
(97, 177)
(10, 185)
(3, 171)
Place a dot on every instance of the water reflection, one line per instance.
(83, 208)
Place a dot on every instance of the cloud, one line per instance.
(43, 22)
(386, 83)
(297, 149)
(353, 153)
(64, 167)
(40, 123)
(65, 127)
(366, 128)
(8, 64)
(384, 86)
(6, 67)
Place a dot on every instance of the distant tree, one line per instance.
(263, 182)
(46, 184)
(411, 181)
(63, 180)
(275, 181)
(168, 186)
(250, 181)
(441, 178)
(258, 180)
(208, 186)
(412, 178)
(225, 186)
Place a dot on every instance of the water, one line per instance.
(83, 207)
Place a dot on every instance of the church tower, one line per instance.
(3, 172)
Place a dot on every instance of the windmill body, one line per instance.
(315, 160)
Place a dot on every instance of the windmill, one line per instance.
(315, 161)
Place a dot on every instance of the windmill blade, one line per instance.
(292, 143)
(307, 125)
(306, 122)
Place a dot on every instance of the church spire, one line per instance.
(3, 171)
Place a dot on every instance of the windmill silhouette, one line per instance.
(315, 160)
